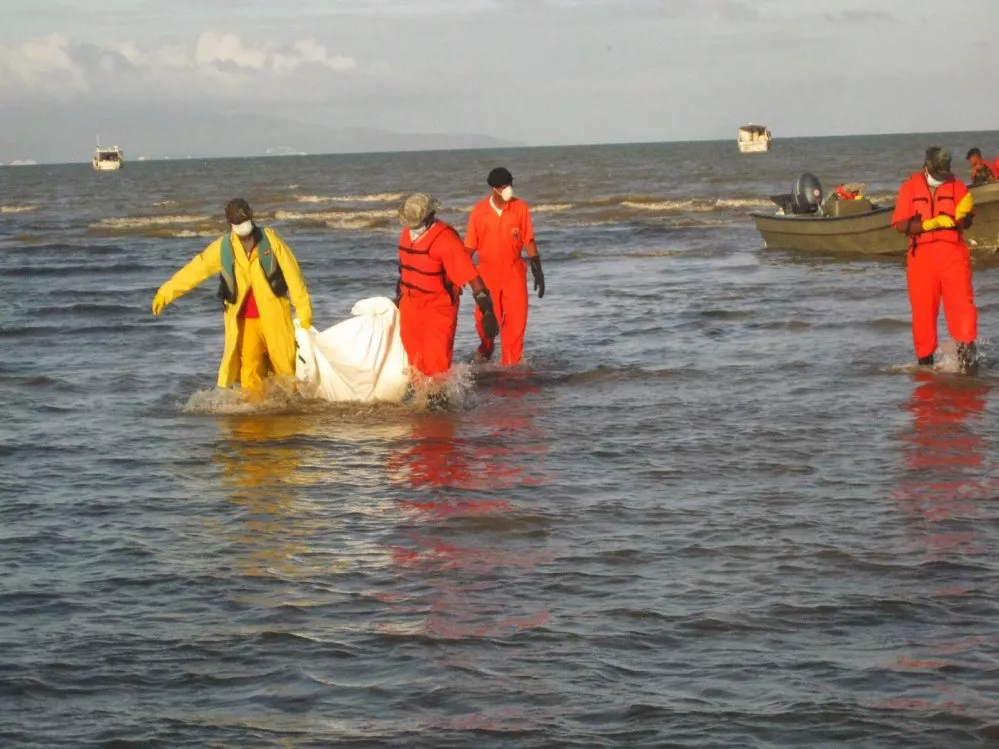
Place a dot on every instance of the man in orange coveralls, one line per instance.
(499, 229)
(932, 209)
(433, 266)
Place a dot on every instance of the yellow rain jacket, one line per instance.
(275, 311)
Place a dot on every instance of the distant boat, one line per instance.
(754, 139)
(107, 159)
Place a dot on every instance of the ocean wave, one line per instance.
(145, 222)
(18, 208)
(695, 205)
(339, 219)
(380, 197)
(190, 233)
(167, 226)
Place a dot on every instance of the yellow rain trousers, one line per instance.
(252, 346)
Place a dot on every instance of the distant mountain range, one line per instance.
(30, 135)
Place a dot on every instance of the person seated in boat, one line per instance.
(982, 171)
(850, 191)
(843, 192)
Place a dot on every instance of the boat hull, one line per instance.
(867, 233)
(106, 166)
(760, 146)
(984, 232)
(871, 233)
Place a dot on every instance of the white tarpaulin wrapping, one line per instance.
(360, 359)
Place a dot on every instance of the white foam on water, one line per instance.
(18, 208)
(380, 197)
(455, 386)
(693, 205)
(147, 222)
(340, 219)
(279, 394)
(287, 395)
(189, 233)
(946, 361)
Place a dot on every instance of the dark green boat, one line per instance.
(804, 223)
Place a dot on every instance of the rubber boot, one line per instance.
(967, 356)
(437, 401)
(925, 361)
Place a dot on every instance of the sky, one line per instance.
(533, 72)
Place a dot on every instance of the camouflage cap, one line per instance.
(417, 209)
(938, 162)
(237, 211)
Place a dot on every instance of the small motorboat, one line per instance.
(754, 139)
(852, 224)
(107, 159)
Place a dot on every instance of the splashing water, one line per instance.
(280, 394)
(453, 388)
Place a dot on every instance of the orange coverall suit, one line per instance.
(499, 240)
(432, 270)
(939, 262)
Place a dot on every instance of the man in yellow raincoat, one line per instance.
(258, 273)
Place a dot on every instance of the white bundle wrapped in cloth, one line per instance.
(360, 359)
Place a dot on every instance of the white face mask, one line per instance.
(934, 182)
(506, 193)
(244, 229)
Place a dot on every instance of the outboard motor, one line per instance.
(806, 193)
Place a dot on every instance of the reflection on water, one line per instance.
(452, 487)
(945, 462)
(257, 466)
(296, 485)
(945, 494)
(467, 547)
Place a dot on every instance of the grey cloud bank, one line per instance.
(313, 76)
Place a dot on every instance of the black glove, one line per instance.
(489, 324)
(914, 226)
(398, 293)
(539, 275)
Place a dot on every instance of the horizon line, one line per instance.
(513, 146)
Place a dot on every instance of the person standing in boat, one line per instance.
(982, 171)
(933, 208)
(259, 281)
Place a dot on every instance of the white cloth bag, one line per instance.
(359, 359)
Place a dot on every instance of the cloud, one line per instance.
(860, 16)
(58, 66)
(732, 10)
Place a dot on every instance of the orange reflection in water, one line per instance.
(946, 486)
(947, 472)
(468, 558)
(449, 472)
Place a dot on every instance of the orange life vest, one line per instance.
(928, 204)
(844, 193)
(419, 273)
